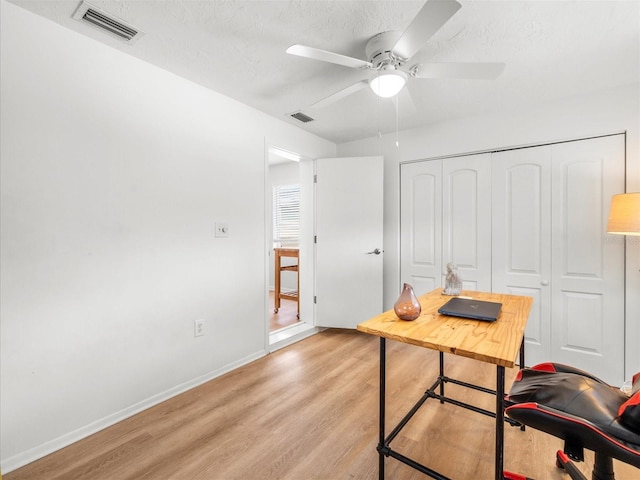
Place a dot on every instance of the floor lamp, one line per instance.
(624, 215)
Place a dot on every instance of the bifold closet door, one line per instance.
(550, 208)
(445, 216)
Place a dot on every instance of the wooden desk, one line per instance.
(291, 294)
(493, 342)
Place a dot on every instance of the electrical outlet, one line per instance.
(198, 328)
(222, 230)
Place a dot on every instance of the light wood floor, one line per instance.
(287, 313)
(309, 411)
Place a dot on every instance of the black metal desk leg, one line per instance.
(522, 365)
(383, 356)
(441, 376)
(499, 422)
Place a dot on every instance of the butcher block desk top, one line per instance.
(492, 342)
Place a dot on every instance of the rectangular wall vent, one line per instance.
(107, 22)
(302, 117)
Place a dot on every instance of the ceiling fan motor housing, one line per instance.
(378, 50)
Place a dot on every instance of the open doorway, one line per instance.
(284, 187)
(290, 245)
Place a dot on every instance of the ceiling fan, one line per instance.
(389, 54)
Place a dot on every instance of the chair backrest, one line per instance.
(629, 411)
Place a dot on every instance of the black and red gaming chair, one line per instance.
(583, 411)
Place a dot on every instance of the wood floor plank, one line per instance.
(310, 412)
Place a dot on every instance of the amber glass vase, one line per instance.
(407, 307)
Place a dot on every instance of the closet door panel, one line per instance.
(582, 193)
(588, 268)
(582, 325)
(466, 218)
(420, 225)
(521, 262)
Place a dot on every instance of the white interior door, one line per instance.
(349, 230)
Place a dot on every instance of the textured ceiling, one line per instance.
(552, 49)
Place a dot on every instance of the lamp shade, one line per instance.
(624, 215)
(388, 83)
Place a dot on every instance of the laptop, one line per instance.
(469, 308)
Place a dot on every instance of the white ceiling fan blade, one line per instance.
(479, 71)
(433, 15)
(324, 56)
(351, 89)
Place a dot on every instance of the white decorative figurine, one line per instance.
(453, 282)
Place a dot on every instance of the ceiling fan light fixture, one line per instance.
(388, 83)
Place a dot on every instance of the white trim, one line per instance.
(516, 147)
(268, 243)
(291, 334)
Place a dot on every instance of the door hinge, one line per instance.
(315, 178)
(315, 239)
(315, 299)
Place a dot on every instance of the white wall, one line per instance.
(606, 112)
(113, 175)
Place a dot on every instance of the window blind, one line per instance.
(286, 215)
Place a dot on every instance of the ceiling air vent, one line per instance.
(302, 117)
(107, 22)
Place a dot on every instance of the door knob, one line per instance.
(377, 251)
(545, 282)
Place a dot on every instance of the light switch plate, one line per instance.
(222, 230)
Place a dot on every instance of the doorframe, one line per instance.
(306, 326)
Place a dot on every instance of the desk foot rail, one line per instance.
(431, 393)
(465, 384)
(406, 418)
(386, 451)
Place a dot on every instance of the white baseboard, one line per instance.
(21, 459)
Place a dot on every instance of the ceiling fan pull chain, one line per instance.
(397, 141)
